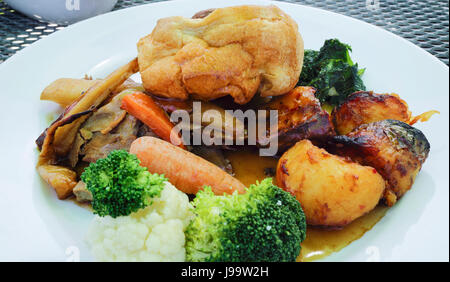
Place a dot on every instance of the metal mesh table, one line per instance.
(425, 23)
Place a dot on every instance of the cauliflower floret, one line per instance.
(155, 233)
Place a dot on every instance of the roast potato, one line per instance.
(395, 149)
(365, 107)
(332, 190)
(300, 116)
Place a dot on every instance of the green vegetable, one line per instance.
(332, 72)
(264, 224)
(333, 49)
(335, 81)
(119, 185)
(309, 70)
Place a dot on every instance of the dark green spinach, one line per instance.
(332, 72)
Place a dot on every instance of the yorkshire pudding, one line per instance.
(235, 51)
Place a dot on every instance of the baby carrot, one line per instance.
(142, 107)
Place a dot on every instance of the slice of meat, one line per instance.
(58, 139)
(63, 136)
(62, 120)
(103, 120)
(75, 151)
(108, 116)
(300, 116)
(120, 138)
(82, 193)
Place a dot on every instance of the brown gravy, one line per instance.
(249, 167)
(319, 243)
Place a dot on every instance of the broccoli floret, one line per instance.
(332, 72)
(119, 185)
(264, 224)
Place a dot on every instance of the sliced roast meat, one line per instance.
(120, 138)
(82, 193)
(108, 116)
(300, 116)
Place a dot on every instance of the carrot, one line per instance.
(423, 117)
(188, 172)
(142, 107)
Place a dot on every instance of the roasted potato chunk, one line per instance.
(365, 107)
(332, 190)
(300, 116)
(395, 149)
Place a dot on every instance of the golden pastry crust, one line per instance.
(235, 51)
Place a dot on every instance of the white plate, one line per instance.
(35, 225)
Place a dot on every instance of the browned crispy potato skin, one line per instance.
(395, 149)
(233, 51)
(332, 190)
(365, 107)
(300, 116)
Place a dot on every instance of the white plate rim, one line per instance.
(24, 52)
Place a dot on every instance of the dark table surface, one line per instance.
(425, 23)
